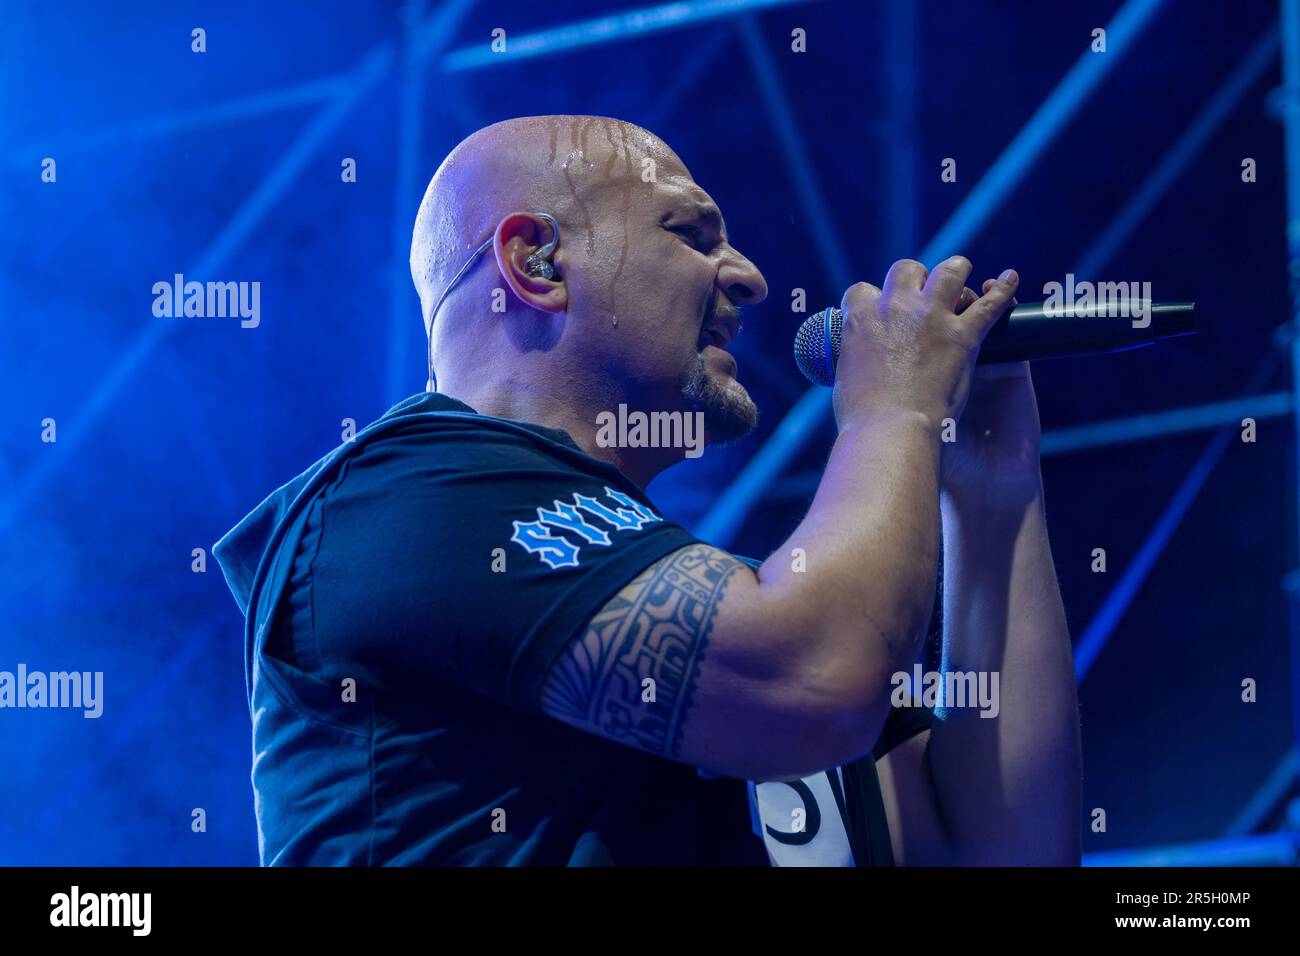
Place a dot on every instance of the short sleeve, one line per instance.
(471, 551)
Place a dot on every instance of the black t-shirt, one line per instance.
(406, 596)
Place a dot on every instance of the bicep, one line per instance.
(687, 662)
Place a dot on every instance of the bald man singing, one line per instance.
(473, 639)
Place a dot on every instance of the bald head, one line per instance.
(644, 298)
(554, 164)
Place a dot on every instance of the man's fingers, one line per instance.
(998, 297)
(947, 279)
(988, 284)
(857, 296)
(965, 300)
(906, 275)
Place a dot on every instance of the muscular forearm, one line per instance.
(1008, 786)
(870, 543)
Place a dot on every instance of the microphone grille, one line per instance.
(817, 346)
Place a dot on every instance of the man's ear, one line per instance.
(518, 236)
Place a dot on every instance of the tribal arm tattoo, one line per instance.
(632, 675)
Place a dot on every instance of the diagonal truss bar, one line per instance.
(722, 522)
(1290, 104)
(897, 136)
(245, 107)
(1047, 121)
(1180, 154)
(619, 26)
(1116, 431)
(830, 251)
(1264, 849)
(245, 220)
(372, 68)
(1270, 792)
(701, 59)
(1159, 424)
(408, 145)
(1117, 602)
(1089, 644)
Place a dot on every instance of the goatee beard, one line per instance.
(729, 414)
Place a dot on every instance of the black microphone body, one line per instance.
(1034, 330)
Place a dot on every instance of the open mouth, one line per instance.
(718, 329)
(711, 337)
(708, 334)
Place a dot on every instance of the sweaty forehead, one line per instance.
(618, 155)
(630, 153)
(592, 146)
(573, 156)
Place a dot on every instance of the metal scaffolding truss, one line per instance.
(422, 48)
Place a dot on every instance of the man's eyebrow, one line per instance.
(711, 214)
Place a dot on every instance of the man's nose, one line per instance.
(741, 280)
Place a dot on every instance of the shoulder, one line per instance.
(436, 477)
(441, 439)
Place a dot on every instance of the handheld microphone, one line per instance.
(1033, 330)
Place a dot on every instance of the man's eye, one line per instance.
(690, 232)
